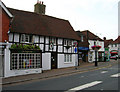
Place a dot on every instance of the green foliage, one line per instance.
(37, 47)
(25, 47)
(13, 46)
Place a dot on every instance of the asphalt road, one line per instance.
(103, 79)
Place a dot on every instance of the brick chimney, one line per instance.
(104, 38)
(39, 7)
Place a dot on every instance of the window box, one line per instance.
(20, 48)
(25, 51)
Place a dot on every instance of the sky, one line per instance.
(97, 16)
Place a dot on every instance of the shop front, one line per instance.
(82, 54)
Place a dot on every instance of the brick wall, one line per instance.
(5, 26)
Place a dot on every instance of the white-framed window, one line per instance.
(25, 61)
(53, 40)
(67, 42)
(65, 58)
(27, 38)
(68, 58)
(115, 45)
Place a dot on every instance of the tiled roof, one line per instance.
(107, 42)
(89, 35)
(32, 23)
(117, 41)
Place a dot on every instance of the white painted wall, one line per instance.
(41, 39)
(1, 62)
(47, 40)
(100, 43)
(60, 48)
(46, 61)
(47, 48)
(60, 41)
(8, 72)
(54, 49)
(91, 43)
(10, 37)
(62, 64)
(42, 47)
(36, 39)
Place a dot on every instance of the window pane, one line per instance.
(25, 61)
(67, 58)
(64, 58)
(70, 58)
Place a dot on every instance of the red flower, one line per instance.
(96, 47)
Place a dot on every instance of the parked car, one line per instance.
(114, 57)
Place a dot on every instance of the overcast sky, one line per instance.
(98, 16)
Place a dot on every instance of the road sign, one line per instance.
(75, 50)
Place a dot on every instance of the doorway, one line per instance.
(53, 60)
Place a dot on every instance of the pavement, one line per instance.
(84, 67)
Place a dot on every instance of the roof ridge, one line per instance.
(37, 14)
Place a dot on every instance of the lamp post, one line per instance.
(96, 48)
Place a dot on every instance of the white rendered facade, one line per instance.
(91, 53)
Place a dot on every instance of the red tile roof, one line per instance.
(32, 23)
(89, 35)
(107, 42)
(117, 41)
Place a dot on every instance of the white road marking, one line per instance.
(82, 76)
(86, 85)
(104, 71)
(115, 75)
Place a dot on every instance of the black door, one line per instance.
(53, 60)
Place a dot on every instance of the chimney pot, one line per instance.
(104, 38)
(40, 2)
(37, 1)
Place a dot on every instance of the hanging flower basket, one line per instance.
(96, 47)
(75, 44)
(67, 47)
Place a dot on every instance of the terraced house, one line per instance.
(54, 38)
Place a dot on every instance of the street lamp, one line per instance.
(96, 48)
